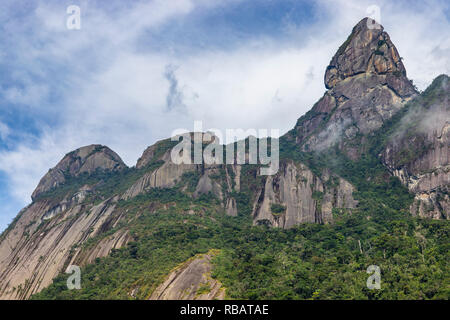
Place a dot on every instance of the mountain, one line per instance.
(363, 179)
(85, 160)
(367, 85)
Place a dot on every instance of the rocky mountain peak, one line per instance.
(368, 49)
(367, 85)
(87, 159)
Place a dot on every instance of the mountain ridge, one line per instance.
(82, 208)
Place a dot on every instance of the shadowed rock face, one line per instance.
(419, 152)
(87, 159)
(367, 85)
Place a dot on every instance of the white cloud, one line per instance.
(31, 95)
(23, 166)
(4, 131)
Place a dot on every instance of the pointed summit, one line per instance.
(367, 85)
(369, 50)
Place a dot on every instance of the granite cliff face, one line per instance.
(368, 49)
(42, 240)
(418, 153)
(306, 196)
(367, 85)
(191, 281)
(81, 207)
(301, 197)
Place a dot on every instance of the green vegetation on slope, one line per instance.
(309, 261)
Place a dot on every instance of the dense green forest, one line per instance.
(310, 261)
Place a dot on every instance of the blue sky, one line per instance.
(138, 70)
